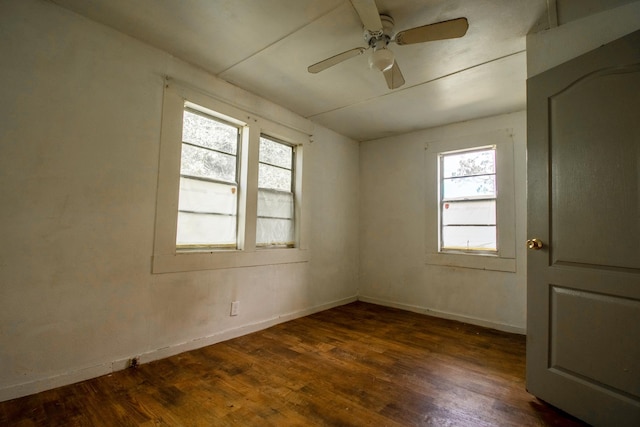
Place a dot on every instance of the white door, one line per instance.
(583, 289)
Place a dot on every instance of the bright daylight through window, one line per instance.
(468, 201)
(230, 186)
(208, 199)
(275, 223)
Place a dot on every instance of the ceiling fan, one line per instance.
(378, 34)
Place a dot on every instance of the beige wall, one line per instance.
(394, 176)
(79, 146)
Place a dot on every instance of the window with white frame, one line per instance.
(229, 186)
(208, 198)
(276, 197)
(471, 202)
(467, 205)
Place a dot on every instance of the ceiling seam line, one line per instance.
(279, 40)
(419, 84)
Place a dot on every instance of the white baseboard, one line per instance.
(59, 380)
(446, 315)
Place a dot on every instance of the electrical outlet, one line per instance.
(235, 307)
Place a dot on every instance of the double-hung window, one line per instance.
(276, 197)
(468, 201)
(230, 185)
(208, 198)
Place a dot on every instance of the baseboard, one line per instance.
(446, 315)
(48, 383)
(37, 386)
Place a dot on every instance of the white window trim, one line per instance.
(166, 258)
(505, 259)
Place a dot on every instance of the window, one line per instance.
(208, 198)
(468, 201)
(471, 202)
(229, 185)
(276, 199)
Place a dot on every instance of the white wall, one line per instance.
(393, 182)
(393, 270)
(79, 145)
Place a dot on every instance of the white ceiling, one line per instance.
(265, 46)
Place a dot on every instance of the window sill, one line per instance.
(195, 261)
(475, 261)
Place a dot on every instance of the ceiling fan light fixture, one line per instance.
(381, 59)
(378, 33)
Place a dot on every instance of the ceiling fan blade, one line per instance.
(369, 15)
(393, 76)
(336, 59)
(439, 31)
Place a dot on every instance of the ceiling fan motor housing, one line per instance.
(372, 37)
(381, 58)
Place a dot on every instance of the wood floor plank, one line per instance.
(354, 365)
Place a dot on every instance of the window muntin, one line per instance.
(208, 195)
(468, 205)
(275, 225)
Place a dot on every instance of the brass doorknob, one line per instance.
(534, 244)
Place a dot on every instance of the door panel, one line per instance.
(583, 323)
(583, 286)
(607, 158)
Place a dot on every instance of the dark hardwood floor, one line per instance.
(355, 365)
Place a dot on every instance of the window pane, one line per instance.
(469, 187)
(275, 204)
(274, 178)
(276, 153)
(207, 132)
(482, 212)
(274, 232)
(469, 163)
(469, 238)
(205, 163)
(275, 224)
(206, 230)
(207, 197)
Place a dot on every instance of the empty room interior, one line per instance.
(320, 212)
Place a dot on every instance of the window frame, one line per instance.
(166, 256)
(442, 200)
(504, 259)
(196, 109)
(292, 189)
